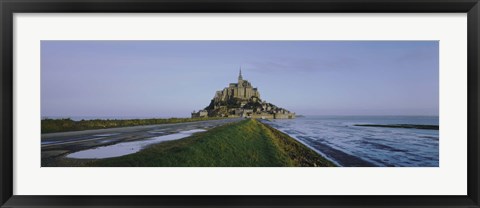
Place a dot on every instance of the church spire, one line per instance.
(240, 75)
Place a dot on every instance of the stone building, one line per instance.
(200, 114)
(242, 90)
(241, 99)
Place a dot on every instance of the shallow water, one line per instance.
(126, 148)
(336, 138)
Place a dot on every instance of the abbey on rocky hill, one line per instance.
(241, 99)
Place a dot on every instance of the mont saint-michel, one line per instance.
(241, 99)
(223, 103)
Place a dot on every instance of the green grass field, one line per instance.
(247, 143)
(67, 124)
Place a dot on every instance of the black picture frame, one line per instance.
(9, 7)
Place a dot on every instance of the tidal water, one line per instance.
(336, 138)
(126, 148)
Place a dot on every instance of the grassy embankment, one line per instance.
(67, 124)
(247, 143)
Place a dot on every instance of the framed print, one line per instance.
(239, 103)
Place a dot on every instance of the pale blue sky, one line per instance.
(173, 78)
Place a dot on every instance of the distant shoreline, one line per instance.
(79, 118)
(69, 124)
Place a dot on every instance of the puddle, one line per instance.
(127, 148)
